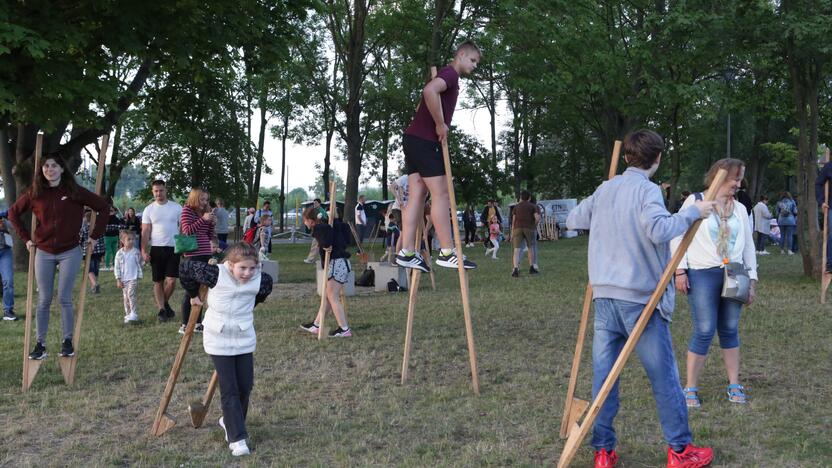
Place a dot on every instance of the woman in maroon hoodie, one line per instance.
(57, 202)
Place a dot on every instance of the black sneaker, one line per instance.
(169, 311)
(66, 349)
(515, 273)
(39, 353)
(198, 328)
(96, 289)
(163, 315)
(451, 261)
(533, 270)
(340, 333)
(412, 261)
(310, 327)
(9, 315)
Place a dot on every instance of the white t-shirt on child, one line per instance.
(165, 221)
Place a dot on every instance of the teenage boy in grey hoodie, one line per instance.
(630, 232)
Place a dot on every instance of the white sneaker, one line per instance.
(764, 252)
(239, 448)
(131, 317)
(791, 253)
(308, 261)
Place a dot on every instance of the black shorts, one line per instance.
(164, 263)
(422, 156)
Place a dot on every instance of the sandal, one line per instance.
(692, 397)
(736, 394)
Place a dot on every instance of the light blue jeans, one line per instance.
(614, 321)
(45, 266)
(710, 313)
(7, 273)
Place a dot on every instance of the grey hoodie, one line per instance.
(629, 242)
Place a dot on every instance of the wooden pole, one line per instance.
(463, 282)
(69, 363)
(825, 277)
(415, 276)
(163, 422)
(573, 407)
(578, 432)
(31, 366)
(327, 256)
(427, 253)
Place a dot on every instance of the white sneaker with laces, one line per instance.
(239, 448)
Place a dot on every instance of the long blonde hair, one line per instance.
(193, 200)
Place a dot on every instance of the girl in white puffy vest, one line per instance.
(236, 286)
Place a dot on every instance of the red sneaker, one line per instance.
(604, 459)
(691, 457)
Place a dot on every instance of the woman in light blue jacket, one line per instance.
(786, 212)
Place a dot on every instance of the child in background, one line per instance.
(494, 237)
(264, 235)
(97, 254)
(393, 234)
(128, 271)
(335, 239)
(236, 286)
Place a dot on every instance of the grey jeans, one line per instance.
(45, 266)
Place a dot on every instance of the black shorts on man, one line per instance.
(423, 157)
(164, 263)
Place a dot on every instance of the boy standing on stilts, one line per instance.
(424, 164)
(629, 247)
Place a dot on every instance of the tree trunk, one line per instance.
(384, 156)
(258, 168)
(282, 197)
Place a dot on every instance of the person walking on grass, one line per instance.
(160, 222)
(266, 210)
(334, 239)
(198, 220)
(221, 215)
(762, 225)
(469, 221)
(722, 238)
(424, 163)
(824, 176)
(524, 228)
(7, 268)
(313, 248)
(57, 202)
(361, 219)
(128, 271)
(494, 230)
(786, 211)
(263, 240)
(114, 225)
(96, 255)
(235, 287)
(132, 223)
(626, 262)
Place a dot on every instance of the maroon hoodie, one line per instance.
(58, 217)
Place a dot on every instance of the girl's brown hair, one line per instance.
(67, 183)
(731, 166)
(124, 233)
(193, 200)
(242, 251)
(311, 213)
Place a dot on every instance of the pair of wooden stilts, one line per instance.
(463, 279)
(68, 363)
(574, 407)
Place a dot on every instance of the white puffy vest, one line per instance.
(229, 319)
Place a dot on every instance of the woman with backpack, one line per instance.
(786, 211)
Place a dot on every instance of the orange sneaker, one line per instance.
(604, 459)
(691, 457)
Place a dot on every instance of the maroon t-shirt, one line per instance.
(422, 125)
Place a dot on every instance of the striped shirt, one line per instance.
(192, 223)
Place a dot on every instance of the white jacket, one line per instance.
(229, 319)
(762, 218)
(702, 252)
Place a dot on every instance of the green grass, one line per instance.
(340, 403)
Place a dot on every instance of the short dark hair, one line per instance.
(763, 198)
(468, 45)
(267, 202)
(317, 200)
(158, 182)
(642, 148)
(525, 195)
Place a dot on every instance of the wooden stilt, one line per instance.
(415, 276)
(68, 364)
(573, 407)
(825, 277)
(163, 422)
(31, 366)
(426, 254)
(327, 256)
(199, 409)
(578, 432)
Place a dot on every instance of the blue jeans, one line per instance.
(787, 238)
(711, 313)
(7, 273)
(614, 321)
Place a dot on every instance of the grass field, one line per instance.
(340, 403)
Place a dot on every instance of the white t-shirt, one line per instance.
(360, 215)
(165, 221)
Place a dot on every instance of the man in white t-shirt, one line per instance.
(360, 219)
(160, 222)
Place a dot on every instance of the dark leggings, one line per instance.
(236, 379)
(186, 301)
(470, 233)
